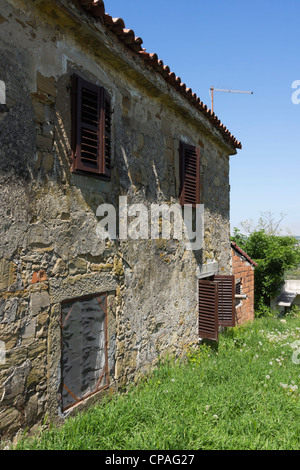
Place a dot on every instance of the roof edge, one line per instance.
(243, 253)
(96, 9)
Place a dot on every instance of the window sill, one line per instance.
(91, 175)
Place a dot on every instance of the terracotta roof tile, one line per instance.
(117, 26)
(242, 252)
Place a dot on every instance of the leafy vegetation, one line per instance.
(274, 255)
(242, 394)
(292, 273)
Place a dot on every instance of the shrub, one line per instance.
(274, 255)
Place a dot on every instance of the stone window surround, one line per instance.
(103, 373)
(61, 290)
(208, 269)
(78, 166)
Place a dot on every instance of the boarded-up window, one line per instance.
(216, 305)
(189, 174)
(91, 128)
(84, 348)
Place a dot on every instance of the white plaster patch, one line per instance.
(208, 269)
(2, 353)
(2, 92)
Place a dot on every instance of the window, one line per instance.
(238, 287)
(91, 128)
(216, 305)
(84, 348)
(189, 174)
(238, 293)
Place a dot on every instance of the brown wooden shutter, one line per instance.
(189, 174)
(106, 133)
(91, 127)
(208, 310)
(226, 302)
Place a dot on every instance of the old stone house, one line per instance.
(243, 271)
(90, 118)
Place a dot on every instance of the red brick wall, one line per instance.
(244, 271)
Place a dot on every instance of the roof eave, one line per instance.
(96, 9)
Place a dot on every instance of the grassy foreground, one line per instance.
(242, 395)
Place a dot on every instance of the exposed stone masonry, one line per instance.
(49, 251)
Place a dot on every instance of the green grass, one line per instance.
(241, 395)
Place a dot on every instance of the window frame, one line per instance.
(238, 291)
(190, 186)
(105, 371)
(102, 130)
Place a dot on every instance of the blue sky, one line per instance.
(237, 45)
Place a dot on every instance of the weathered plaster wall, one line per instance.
(49, 251)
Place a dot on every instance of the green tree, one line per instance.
(274, 255)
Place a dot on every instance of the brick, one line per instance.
(39, 277)
(43, 276)
(35, 278)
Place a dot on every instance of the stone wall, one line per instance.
(49, 251)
